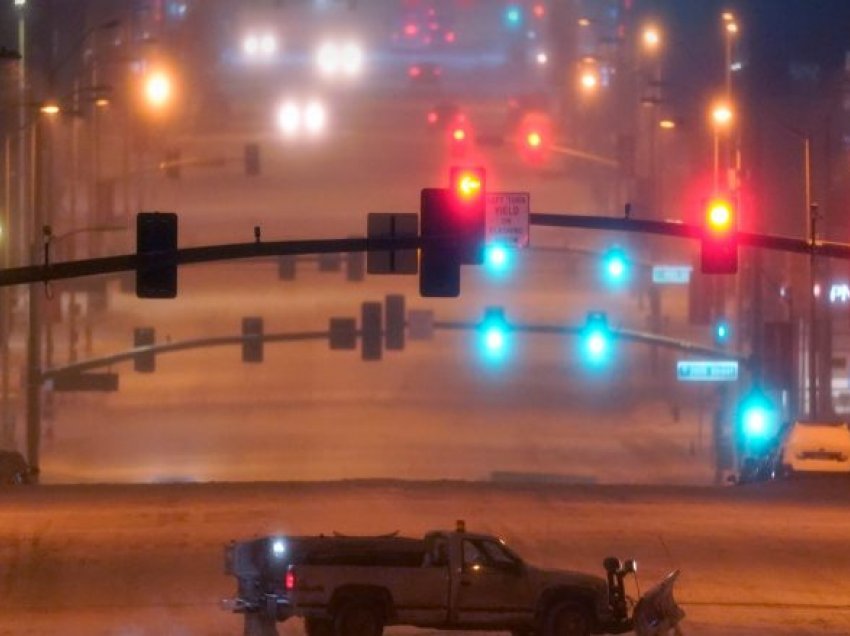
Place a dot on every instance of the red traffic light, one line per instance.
(467, 183)
(719, 250)
(720, 217)
(534, 139)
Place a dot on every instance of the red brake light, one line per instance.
(433, 117)
(539, 10)
(411, 29)
(449, 36)
(289, 581)
(414, 71)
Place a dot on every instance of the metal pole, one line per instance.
(20, 224)
(813, 342)
(7, 438)
(34, 336)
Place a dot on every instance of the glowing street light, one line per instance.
(158, 89)
(722, 115)
(589, 80)
(50, 108)
(651, 38)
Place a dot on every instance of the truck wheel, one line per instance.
(318, 626)
(357, 619)
(567, 619)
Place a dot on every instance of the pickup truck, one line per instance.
(355, 586)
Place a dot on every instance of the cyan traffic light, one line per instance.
(615, 264)
(758, 421)
(596, 346)
(498, 258)
(494, 335)
(513, 16)
(722, 332)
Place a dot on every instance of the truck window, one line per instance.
(497, 555)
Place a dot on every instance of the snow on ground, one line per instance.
(145, 560)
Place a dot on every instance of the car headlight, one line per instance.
(251, 45)
(352, 59)
(328, 58)
(268, 44)
(315, 117)
(295, 118)
(289, 118)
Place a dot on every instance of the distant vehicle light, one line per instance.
(414, 71)
(278, 548)
(542, 58)
(410, 29)
(315, 117)
(295, 118)
(289, 118)
(449, 36)
(433, 117)
(334, 59)
(260, 46)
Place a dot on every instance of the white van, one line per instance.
(817, 447)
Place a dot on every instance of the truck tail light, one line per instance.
(290, 580)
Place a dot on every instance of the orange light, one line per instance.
(720, 216)
(533, 139)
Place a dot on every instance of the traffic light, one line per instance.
(497, 258)
(394, 319)
(371, 331)
(156, 254)
(453, 231)
(722, 332)
(513, 16)
(493, 333)
(535, 134)
(596, 339)
(468, 213)
(615, 266)
(758, 421)
(719, 254)
(252, 339)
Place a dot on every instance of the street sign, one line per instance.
(507, 218)
(671, 274)
(707, 370)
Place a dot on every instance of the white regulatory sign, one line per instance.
(507, 218)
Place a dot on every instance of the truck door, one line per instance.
(493, 589)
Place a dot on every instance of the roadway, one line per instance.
(144, 560)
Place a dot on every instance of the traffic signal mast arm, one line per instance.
(257, 249)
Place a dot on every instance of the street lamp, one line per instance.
(722, 118)
(651, 38)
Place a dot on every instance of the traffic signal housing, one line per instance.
(719, 252)
(453, 231)
(156, 254)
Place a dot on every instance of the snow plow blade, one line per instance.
(656, 613)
